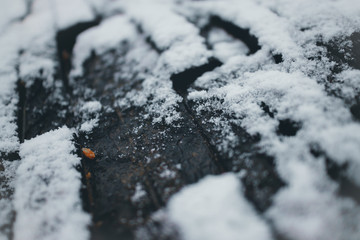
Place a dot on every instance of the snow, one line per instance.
(275, 34)
(215, 208)
(167, 173)
(225, 46)
(90, 113)
(68, 12)
(91, 107)
(89, 125)
(138, 194)
(47, 193)
(347, 84)
(12, 12)
(326, 18)
(8, 103)
(6, 197)
(316, 213)
(111, 33)
(182, 45)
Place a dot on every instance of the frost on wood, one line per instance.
(47, 195)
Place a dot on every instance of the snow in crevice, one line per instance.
(138, 194)
(47, 189)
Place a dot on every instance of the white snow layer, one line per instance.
(11, 12)
(47, 194)
(68, 12)
(215, 208)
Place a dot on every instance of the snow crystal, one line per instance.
(139, 193)
(215, 208)
(91, 107)
(167, 173)
(47, 193)
(89, 125)
(90, 113)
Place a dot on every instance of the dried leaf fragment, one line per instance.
(88, 153)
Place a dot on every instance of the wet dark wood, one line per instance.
(131, 150)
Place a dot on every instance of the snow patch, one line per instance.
(139, 193)
(215, 208)
(47, 194)
(68, 12)
(90, 113)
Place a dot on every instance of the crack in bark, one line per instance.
(65, 41)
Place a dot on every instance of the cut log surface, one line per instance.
(180, 120)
